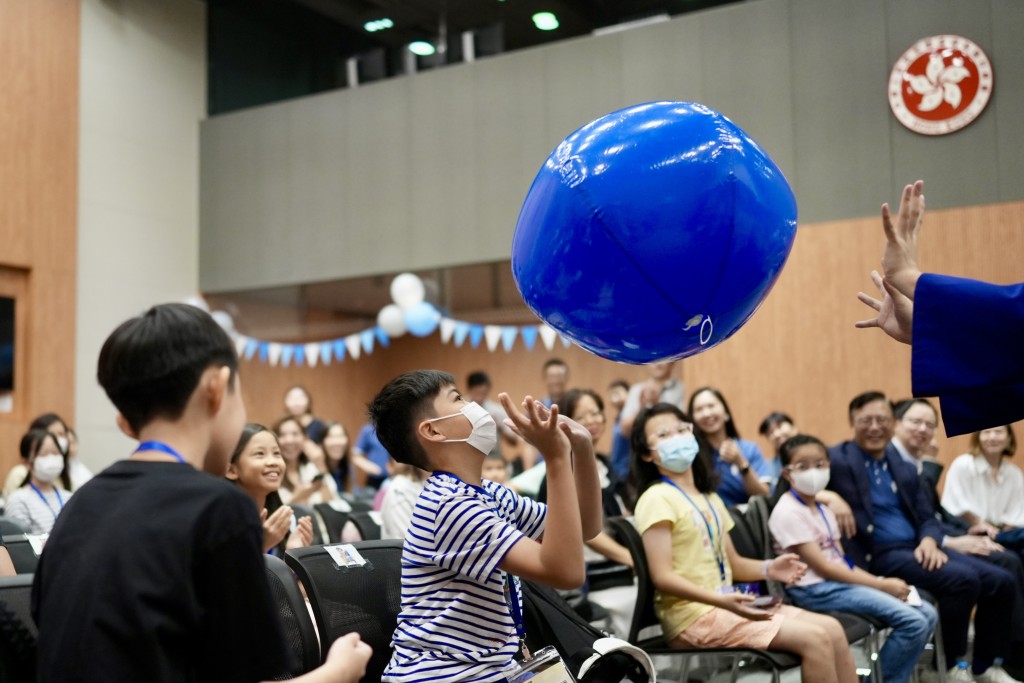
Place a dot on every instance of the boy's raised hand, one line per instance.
(579, 436)
(537, 425)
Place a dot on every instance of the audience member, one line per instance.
(739, 462)
(45, 489)
(337, 454)
(777, 428)
(258, 469)
(659, 387)
(299, 404)
(617, 393)
(371, 457)
(802, 525)
(470, 537)
(52, 423)
(79, 473)
(897, 535)
(305, 482)
(478, 390)
(495, 469)
(155, 573)
(685, 529)
(399, 501)
(556, 380)
(914, 435)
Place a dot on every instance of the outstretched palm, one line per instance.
(895, 311)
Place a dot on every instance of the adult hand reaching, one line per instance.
(895, 311)
(899, 261)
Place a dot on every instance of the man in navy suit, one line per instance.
(898, 535)
(966, 335)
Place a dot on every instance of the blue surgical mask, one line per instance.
(678, 452)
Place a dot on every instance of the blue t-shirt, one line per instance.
(731, 489)
(891, 524)
(620, 453)
(372, 448)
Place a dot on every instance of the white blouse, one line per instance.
(970, 488)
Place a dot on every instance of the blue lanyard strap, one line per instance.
(161, 447)
(716, 547)
(828, 529)
(60, 500)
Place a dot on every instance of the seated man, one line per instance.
(897, 535)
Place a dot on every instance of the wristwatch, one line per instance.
(746, 468)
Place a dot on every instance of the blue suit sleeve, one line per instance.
(966, 350)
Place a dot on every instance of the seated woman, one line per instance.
(46, 488)
(832, 583)
(986, 490)
(305, 480)
(741, 466)
(399, 498)
(685, 529)
(337, 450)
(258, 468)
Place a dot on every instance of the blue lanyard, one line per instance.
(162, 447)
(46, 502)
(828, 529)
(717, 548)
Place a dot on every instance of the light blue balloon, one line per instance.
(421, 319)
(653, 233)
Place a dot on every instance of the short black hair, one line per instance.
(643, 474)
(552, 362)
(619, 383)
(399, 406)
(786, 457)
(861, 400)
(46, 419)
(901, 407)
(150, 365)
(773, 419)
(477, 378)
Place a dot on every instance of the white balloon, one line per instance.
(391, 320)
(198, 302)
(407, 290)
(224, 319)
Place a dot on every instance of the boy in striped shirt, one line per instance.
(470, 539)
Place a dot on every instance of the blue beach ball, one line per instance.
(653, 233)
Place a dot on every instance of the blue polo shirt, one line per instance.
(891, 524)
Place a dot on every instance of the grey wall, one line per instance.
(431, 170)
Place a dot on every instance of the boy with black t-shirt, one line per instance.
(154, 571)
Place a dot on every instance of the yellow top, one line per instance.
(693, 556)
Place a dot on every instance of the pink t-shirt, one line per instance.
(792, 523)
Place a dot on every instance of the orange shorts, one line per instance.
(722, 628)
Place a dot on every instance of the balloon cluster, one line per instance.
(409, 312)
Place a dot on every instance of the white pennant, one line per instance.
(312, 354)
(354, 345)
(492, 333)
(447, 329)
(547, 335)
(274, 353)
(240, 341)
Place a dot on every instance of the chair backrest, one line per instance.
(751, 538)
(17, 629)
(306, 511)
(334, 521)
(369, 528)
(365, 599)
(296, 624)
(24, 558)
(644, 615)
(12, 527)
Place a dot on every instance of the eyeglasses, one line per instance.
(662, 434)
(867, 421)
(918, 422)
(804, 466)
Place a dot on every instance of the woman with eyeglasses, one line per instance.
(832, 583)
(693, 564)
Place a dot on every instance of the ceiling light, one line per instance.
(421, 48)
(378, 25)
(545, 21)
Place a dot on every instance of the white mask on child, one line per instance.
(811, 482)
(484, 436)
(48, 467)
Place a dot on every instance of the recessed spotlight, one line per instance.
(545, 21)
(421, 48)
(378, 25)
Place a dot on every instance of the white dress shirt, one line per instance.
(971, 488)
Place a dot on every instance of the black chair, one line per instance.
(368, 527)
(17, 629)
(318, 524)
(644, 618)
(296, 624)
(12, 527)
(364, 599)
(22, 555)
(334, 521)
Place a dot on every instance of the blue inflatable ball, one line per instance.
(421, 319)
(653, 233)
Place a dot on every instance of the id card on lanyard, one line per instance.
(717, 548)
(828, 529)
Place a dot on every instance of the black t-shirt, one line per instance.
(154, 573)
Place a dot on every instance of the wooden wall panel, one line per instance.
(38, 173)
(800, 353)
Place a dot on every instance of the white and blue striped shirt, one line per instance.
(455, 623)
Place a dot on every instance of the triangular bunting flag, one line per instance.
(312, 354)
(508, 337)
(529, 335)
(366, 339)
(492, 333)
(565, 340)
(382, 337)
(287, 351)
(339, 349)
(352, 345)
(461, 330)
(264, 352)
(274, 353)
(300, 354)
(250, 348)
(447, 329)
(325, 353)
(476, 333)
(240, 343)
(547, 336)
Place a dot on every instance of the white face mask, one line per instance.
(48, 467)
(485, 430)
(810, 482)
